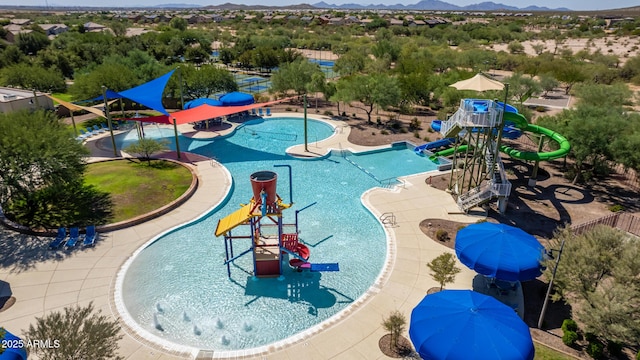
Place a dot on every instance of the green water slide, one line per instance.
(522, 124)
(449, 151)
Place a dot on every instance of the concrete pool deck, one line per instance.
(43, 281)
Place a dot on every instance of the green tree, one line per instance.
(32, 77)
(295, 76)
(35, 159)
(598, 276)
(146, 147)
(350, 63)
(547, 83)
(522, 87)
(31, 42)
(206, 81)
(81, 333)
(395, 325)
(178, 23)
(515, 47)
(369, 91)
(116, 77)
(444, 269)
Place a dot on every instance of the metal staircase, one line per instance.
(477, 127)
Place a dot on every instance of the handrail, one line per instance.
(388, 218)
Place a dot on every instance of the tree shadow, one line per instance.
(22, 252)
(534, 292)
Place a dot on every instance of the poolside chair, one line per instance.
(57, 242)
(97, 129)
(253, 112)
(259, 111)
(90, 237)
(74, 236)
(104, 127)
(268, 111)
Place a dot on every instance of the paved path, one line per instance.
(43, 281)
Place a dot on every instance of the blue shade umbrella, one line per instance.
(500, 251)
(201, 101)
(237, 98)
(466, 325)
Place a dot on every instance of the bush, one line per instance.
(569, 325)
(638, 355)
(416, 134)
(287, 109)
(442, 235)
(328, 113)
(595, 349)
(616, 208)
(384, 132)
(415, 124)
(540, 108)
(344, 114)
(569, 338)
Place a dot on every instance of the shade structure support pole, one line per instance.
(181, 91)
(306, 149)
(73, 121)
(175, 132)
(553, 277)
(109, 122)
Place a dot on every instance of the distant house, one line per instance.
(12, 100)
(395, 22)
(20, 22)
(93, 27)
(13, 31)
(54, 29)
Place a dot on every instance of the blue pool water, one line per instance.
(179, 283)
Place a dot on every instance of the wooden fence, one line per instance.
(620, 220)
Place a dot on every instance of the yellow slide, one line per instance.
(234, 219)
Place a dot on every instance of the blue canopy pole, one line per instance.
(108, 116)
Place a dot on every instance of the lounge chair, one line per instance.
(259, 111)
(104, 127)
(57, 242)
(74, 236)
(97, 129)
(84, 134)
(253, 112)
(90, 236)
(268, 111)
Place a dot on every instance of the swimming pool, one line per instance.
(177, 287)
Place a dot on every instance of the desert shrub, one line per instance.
(595, 349)
(287, 109)
(429, 130)
(541, 109)
(373, 133)
(415, 124)
(481, 221)
(353, 115)
(569, 325)
(638, 355)
(416, 134)
(403, 131)
(378, 121)
(442, 235)
(616, 208)
(328, 113)
(569, 338)
(426, 138)
(384, 132)
(344, 114)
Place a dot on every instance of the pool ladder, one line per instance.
(388, 218)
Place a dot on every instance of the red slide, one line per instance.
(303, 251)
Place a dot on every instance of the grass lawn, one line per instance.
(545, 353)
(137, 188)
(63, 96)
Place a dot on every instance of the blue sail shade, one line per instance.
(148, 94)
(202, 101)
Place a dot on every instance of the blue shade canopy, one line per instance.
(148, 94)
(202, 101)
(500, 251)
(237, 98)
(466, 325)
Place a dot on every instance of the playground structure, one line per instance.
(476, 131)
(271, 240)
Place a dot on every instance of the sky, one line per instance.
(570, 4)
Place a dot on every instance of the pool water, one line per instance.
(177, 287)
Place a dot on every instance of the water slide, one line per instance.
(434, 144)
(521, 123)
(509, 131)
(234, 219)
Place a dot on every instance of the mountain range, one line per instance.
(422, 5)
